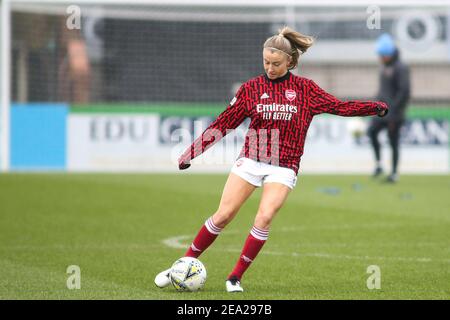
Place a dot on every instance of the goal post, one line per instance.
(5, 67)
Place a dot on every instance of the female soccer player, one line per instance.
(281, 107)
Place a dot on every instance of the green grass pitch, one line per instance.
(122, 229)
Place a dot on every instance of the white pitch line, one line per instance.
(176, 243)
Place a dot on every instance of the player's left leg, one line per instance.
(273, 197)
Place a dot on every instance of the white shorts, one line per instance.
(257, 173)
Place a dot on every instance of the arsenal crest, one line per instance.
(290, 94)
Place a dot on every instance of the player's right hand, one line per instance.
(183, 164)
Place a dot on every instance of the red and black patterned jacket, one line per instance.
(281, 111)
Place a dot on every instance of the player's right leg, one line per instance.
(235, 193)
(162, 279)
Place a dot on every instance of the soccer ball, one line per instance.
(357, 127)
(188, 274)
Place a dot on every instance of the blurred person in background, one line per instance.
(74, 69)
(40, 39)
(394, 90)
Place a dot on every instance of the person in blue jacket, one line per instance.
(394, 90)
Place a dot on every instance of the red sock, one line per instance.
(253, 245)
(207, 234)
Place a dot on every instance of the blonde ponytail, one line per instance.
(291, 43)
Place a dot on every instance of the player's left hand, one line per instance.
(382, 109)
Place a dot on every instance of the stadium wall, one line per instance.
(149, 138)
